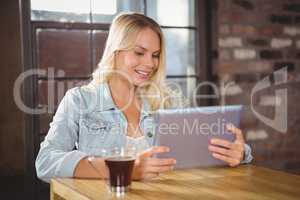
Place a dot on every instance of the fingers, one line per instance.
(236, 131)
(161, 161)
(231, 161)
(159, 169)
(220, 150)
(233, 155)
(147, 167)
(222, 143)
(236, 152)
(149, 176)
(152, 167)
(154, 150)
(156, 165)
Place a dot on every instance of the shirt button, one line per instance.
(149, 134)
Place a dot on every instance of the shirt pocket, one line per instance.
(96, 127)
(98, 133)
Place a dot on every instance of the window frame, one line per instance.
(203, 68)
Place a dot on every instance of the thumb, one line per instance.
(236, 131)
(153, 150)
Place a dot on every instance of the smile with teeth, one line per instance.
(143, 73)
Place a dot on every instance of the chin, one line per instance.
(138, 83)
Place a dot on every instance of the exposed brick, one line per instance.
(256, 135)
(268, 6)
(269, 100)
(281, 19)
(223, 5)
(297, 55)
(258, 42)
(249, 67)
(244, 29)
(292, 53)
(224, 54)
(248, 77)
(298, 44)
(230, 17)
(270, 54)
(271, 20)
(247, 5)
(244, 54)
(281, 43)
(248, 120)
(232, 89)
(224, 29)
(297, 20)
(292, 7)
(271, 30)
(290, 66)
(291, 30)
(233, 93)
(230, 42)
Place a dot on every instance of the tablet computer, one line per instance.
(187, 132)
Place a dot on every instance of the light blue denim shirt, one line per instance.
(87, 121)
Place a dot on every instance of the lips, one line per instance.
(143, 74)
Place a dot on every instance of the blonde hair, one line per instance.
(122, 36)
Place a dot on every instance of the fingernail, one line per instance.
(174, 161)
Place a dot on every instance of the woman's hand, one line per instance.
(91, 167)
(230, 152)
(146, 167)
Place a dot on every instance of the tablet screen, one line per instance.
(188, 133)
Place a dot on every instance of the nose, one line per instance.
(149, 61)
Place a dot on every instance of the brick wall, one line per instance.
(252, 40)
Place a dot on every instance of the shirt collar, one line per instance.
(145, 112)
(106, 102)
(104, 98)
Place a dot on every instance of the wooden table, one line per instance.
(243, 182)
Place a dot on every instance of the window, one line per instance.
(175, 13)
(70, 35)
(177, 19)
(87, 11)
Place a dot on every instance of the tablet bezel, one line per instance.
(189, 146)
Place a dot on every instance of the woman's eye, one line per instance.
(139, 53)
(155, 56)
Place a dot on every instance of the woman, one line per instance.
(116, 108)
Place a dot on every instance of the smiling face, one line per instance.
(141, 62)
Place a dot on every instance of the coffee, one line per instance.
(120, 170)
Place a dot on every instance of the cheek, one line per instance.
(131, 61)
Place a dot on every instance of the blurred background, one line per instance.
(233, 42)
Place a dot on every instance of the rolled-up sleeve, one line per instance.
(247, 154)
(57, 157)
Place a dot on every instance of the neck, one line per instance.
(121, 89)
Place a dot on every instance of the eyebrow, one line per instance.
(157, 51)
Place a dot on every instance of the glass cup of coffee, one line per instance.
(119, 162)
